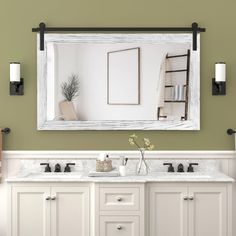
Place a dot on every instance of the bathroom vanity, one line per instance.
(156, 205)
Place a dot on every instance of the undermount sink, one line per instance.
(55, 175)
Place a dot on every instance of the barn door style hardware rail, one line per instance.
(6, 130)
(42, 29)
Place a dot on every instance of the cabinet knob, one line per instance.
(185, 198)
(53, 198)
(191, 198)
(119, 227)
(48, 198)
(119, 199)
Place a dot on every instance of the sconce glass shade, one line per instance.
(15, 72)
(220, 72)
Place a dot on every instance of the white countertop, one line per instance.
(152, 177)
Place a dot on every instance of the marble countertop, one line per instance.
(152, 177)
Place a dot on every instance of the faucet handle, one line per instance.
(170, 168)
(67, 168)
(180, 168)
(190, 168)
(57, 168)
(47, 168)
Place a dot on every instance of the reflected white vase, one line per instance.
(142, 167)
(68, 111)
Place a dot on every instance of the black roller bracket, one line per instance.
(42, 29)
(6, 130)
(195, 31)
(231, 131)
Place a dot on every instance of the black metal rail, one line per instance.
(174, 71)
(174, 56)
(177, 101)
(42, 29)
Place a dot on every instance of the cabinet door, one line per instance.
(70, 211)
(119, 226)
(30, 211)
(208, 211)
(168, 211)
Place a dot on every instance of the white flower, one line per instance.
(150, 147)
(146, 141)
(131, 141)
(133, 136)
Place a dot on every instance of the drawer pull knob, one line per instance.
(48, 198)
(185, 198)
(53, 198)
(119, 227)
(119, 199)
(191, 198)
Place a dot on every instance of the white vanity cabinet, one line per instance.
(120, 209)
(189, 209)
(49, 210)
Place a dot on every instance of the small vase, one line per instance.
(67, 110)
(142, 167)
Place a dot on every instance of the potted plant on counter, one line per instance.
(70, 91)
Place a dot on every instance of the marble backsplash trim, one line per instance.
(84, 166)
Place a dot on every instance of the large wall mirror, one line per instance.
(111, 81)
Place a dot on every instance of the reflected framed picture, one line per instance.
(123, 77)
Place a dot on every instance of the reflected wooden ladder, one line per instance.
(186, 100)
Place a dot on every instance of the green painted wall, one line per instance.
(18, 43)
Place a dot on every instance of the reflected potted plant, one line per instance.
(142, 167)
(70, 91)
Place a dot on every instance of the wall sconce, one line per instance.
(219, 82)
(16, 82)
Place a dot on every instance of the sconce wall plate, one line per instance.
(17, 88)
(218, 88)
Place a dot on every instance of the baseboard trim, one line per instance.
(116, 154)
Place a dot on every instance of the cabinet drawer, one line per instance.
(119, 198)
(119, 226)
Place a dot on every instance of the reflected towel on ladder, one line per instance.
(178, 92)
(181, 92)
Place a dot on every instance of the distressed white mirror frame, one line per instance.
(45, 97)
